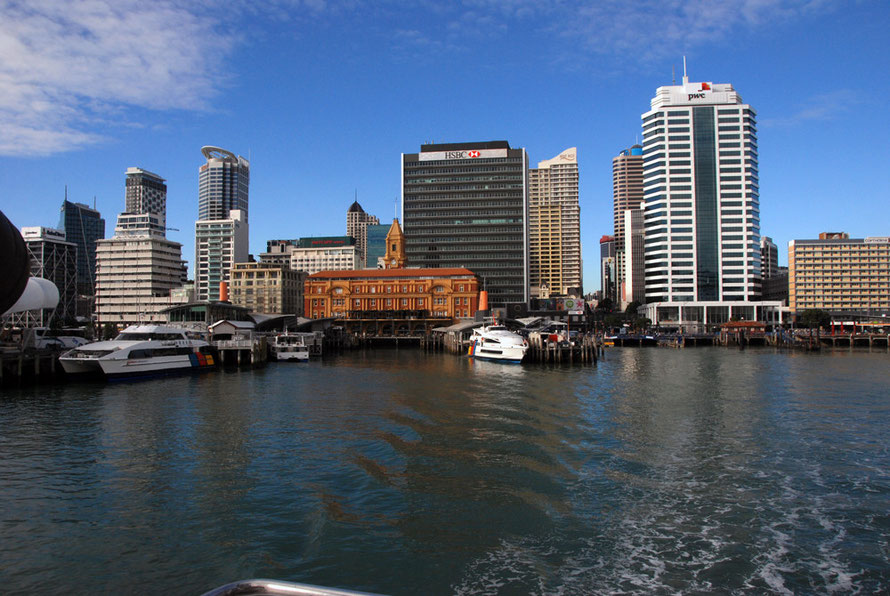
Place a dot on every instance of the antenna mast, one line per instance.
(685, 78)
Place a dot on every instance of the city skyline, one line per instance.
(325, 85)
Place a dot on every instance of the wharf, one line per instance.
(27, 366)
(251, 351)
(583, 349)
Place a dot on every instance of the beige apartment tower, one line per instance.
(555, 227)
(840, 275)
(627, 195)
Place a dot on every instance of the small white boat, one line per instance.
(290, 346)
(495, 342)
(140, 350)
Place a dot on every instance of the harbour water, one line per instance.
(401, 472)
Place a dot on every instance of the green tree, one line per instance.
(109, 331)
(613, 320)
(641, 323)
(814, 318)
(605, 305)
(632, 307)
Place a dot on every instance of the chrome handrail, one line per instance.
(257, 587)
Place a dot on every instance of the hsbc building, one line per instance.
(466, 205)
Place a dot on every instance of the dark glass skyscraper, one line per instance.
(82, 227)
(376, 247)
(466, 205)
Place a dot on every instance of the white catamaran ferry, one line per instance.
(495, 342)
(140, 350)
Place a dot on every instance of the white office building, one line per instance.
(219, 244)
(701, 196)
(332, 258)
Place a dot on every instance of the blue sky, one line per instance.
(324, 96)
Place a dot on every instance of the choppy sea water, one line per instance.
(658, 471)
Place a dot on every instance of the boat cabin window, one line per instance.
(133, 336)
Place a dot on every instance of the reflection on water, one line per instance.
(402, 472)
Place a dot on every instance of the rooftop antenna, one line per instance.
(66, 192)
(673, 74)
(685, 78)
(395, 208)
(94, 202)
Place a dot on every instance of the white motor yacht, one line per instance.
(140, 350)
(290, 346)
(495, 342)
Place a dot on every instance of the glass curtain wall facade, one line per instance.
(223, 184)
(701, 195)
(465, 205)
(83, 227)
(376, 247)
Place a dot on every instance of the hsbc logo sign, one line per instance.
(465, 154)
(461, 154)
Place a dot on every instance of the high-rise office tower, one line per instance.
(357, 222)
(702, 220)
(633, 255)
(554, 228)
(221, 232)
(223, 184)
(147, 193)
(83, 227)
(627, 186)
(55, 259)
(375, 249)
(465, 205)
(137, 268)
(769, 257)
(607, 268)
(627, 194)
(219, 244)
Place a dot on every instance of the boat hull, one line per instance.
(512, 354)
(122, 368)
(295, 355)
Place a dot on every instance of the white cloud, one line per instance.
(68, 64)
(638, 31)
(824, 106)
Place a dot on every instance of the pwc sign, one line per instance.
(700, 94)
